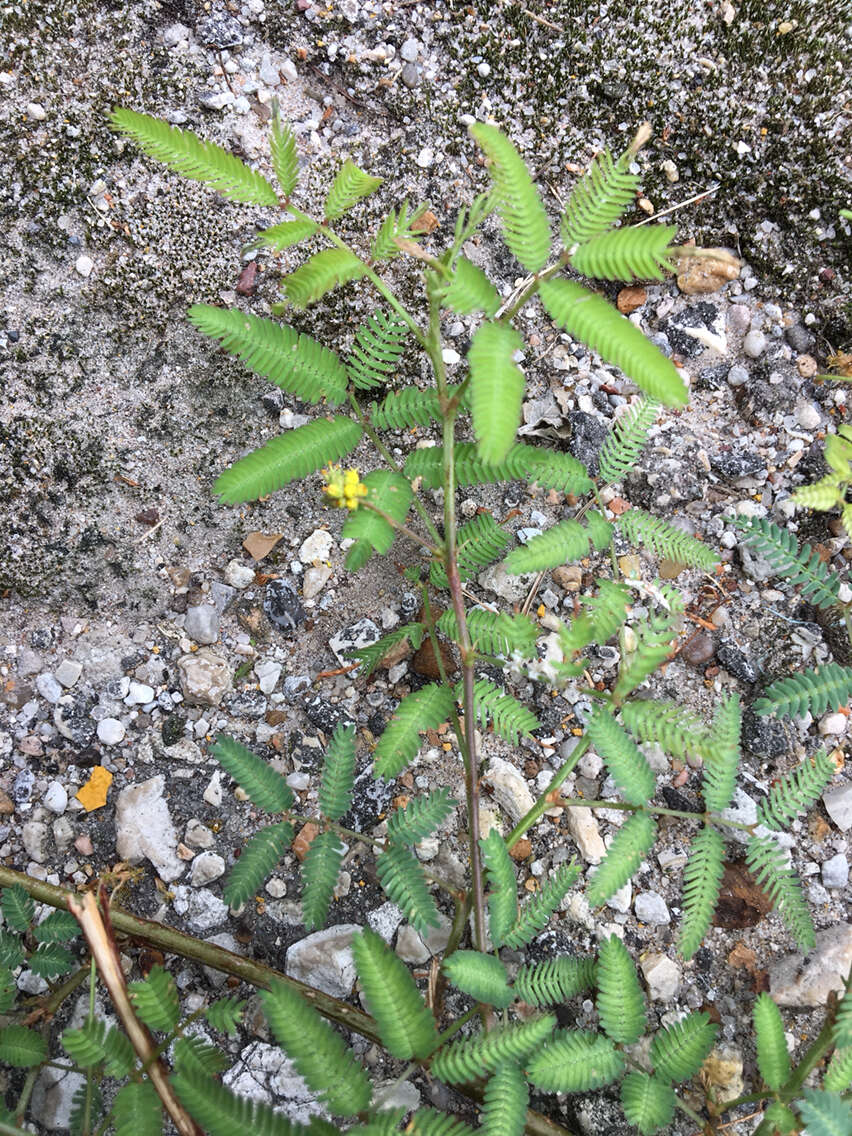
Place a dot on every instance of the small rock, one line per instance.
(426, 158)
(84, 265)
(268, 674)
(68, 672)
(410, 50)
(410, 947)
(55, 798)
(807, 366)
(799, 338)
(629, 299)
(698, 650)
(568, 577)
(722, 1073)
(203, 910)
(583, 827)
(316, 547)
(754, 344)
(198, 834)
(832, 725)
(510, 790)
(808, 417)
(48, 687)
(697, 275)
(513, 589)
(662, 976)
(737, 376)
(205, 677)
(483, 70)
(139, 694)
(764, 736)
(835, 872)
(238, 575)
(202, 623)
(736, 662)
(838, 805)
(352, 638)
(84, 845)
(144, 829)
(71, 718)
(36, 112)
(246, 704)
(621, 899)
(213, 793)
(35, 836)
(111, 731)
(385, 920)
(7, 805)
(410, 76)
(794, 981)
(206, 867)
(221, 31)
(325, 960)
(314, 580)
(650, 907)
(282, 606)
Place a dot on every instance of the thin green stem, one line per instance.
(450, 1031)
(404, 530)
(542, 803)
(531, 289)
(442, 670)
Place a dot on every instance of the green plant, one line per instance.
(521, 1050)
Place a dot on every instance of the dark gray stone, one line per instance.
(737, 663)
(71, 718)
(246, 704)
(220, 31)
(764, 737)
(799, 338)
(697, 315)
(587, 437)
(325, 715)
(282, 606)
(741, 463)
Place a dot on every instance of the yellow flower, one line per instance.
(344, 488)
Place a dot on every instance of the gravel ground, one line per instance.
(136, 625)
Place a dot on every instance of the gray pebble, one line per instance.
(737, 376)
(799, 338)
(111, 731)
(835, 872)
(48, 687)
(202, 623)
(410, 76)
(838, 805)
(206, 867)
(68, 672)
(410, 50)
(35, 835)
(754, 344)
(650, 907)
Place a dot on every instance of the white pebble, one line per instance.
(55, 798)
(139, 694)
(483, 70)
(425, 158)
(84, 265)
(808, 416)
(37, 112)
(111, 731)
(832, 724)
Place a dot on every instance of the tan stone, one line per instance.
(697, 275)
(629, 299)
(569, 577)
(806, 365)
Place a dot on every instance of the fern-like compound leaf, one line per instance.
(654, 638)
(376, 352)
(842, 1033)
(795, 792)
(295, 454)
(405, 408)
(648, 1103)
(620, 1003)
(721, 762)
(22, 1047)
(8, 990)
(259, 856)
(320, 274)
(186, 154)
(420, 817)
(669, 725)
(564, 542)
(510, 718)
(283, 236)
(555, 980)
(624, 759)
(481, 976)
(423, 709)
(195, 1053)
(87, 1109)
(824, 1113)
(293, 361)
(590, 319)
(624, 443)
(403, 882)
(388, 491)
(12, 951)
(504, 1102)
(318, 1052)
(702, 878)
(773, 1060)
(370, 657)
(494, 633)
(285, 160)
(552, 470)
(838, 1075)
(536, 912)
(384, 1123)
(800, 566)
(607, 610)
(430, 1122)
(406, 1025)
(627, 254)
(399, 224)
(547, 468)
(600, 530)
(468, 1058)
(496, 390)
(823, 688)
(320, 871)
(264, 785)
(767, 863)
(526, 230)
(665, 540)
(678, 1052)
(136, 1110)
(598, 199)
(478, 543)
(348, 187)
(220, 1112)
(94, 1042)
(155, 999)
(225, 1015)
(57, 927)
(338, 773)
(50, 960)
(17, 907)
(502, 894)
(575, 1061)
(631, 844)
(469, 290)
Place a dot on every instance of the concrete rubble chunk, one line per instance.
(583, 826)
(510, 789)
(798, 981)
(838, 805)
(662, 976)
(144, 829)
(325, 960)
(205, 677)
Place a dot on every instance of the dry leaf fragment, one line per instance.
(258, 544)
(93, 794)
